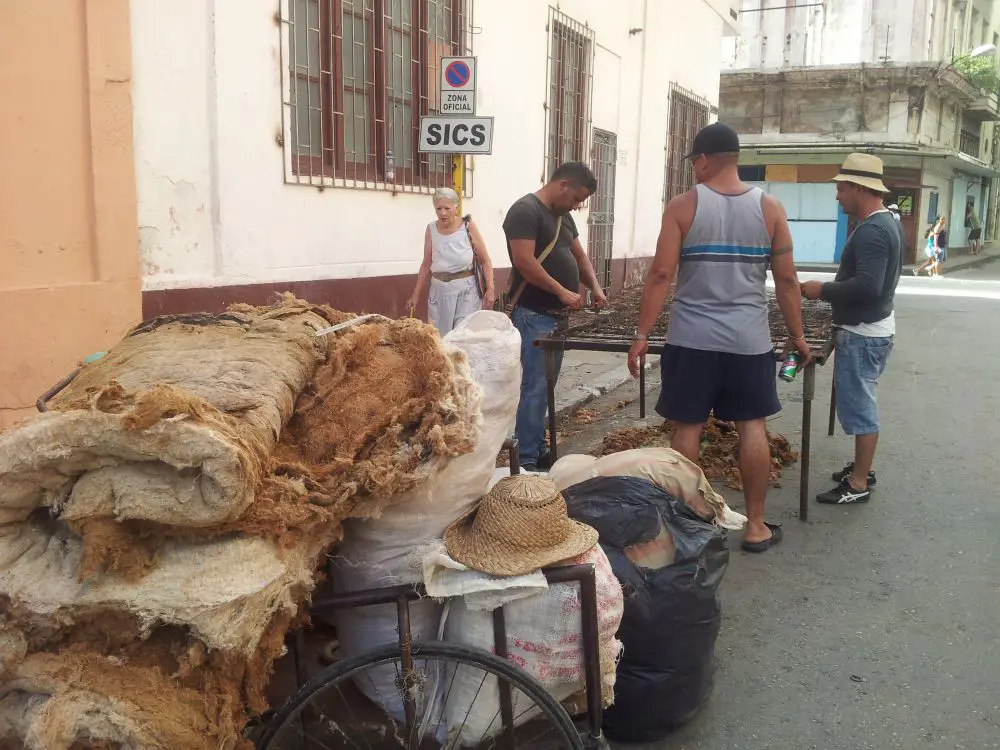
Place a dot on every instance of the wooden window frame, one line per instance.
(423, 170)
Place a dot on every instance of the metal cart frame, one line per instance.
(556, 343)
(402, 595)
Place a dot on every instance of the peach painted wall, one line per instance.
(69, 269)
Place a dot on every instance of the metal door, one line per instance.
(604, 156)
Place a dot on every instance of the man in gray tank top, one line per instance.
(720, 239)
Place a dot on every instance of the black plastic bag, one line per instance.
(672, 614)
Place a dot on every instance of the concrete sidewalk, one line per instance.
(586, 375)
(954, 263)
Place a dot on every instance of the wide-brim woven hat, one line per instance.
(520, 526)
(865, 170)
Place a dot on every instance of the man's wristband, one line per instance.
(797, 338)
(639, 336)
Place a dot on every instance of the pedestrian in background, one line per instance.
(862, 296)
(452, 245)
(942, 247)
(549, 263)
(720, 238)
(930, 249)
(975, 230)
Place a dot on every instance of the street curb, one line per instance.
(971, 264)
(945, 269)
(582, 394)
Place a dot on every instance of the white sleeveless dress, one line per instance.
(449, 302)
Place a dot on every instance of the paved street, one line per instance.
(877, 626)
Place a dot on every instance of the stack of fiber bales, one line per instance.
(162, 524)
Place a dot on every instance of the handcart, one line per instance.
(329, 711)
(326, 709)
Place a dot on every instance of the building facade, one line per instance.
(276, 144)
(808, 82)
(178, 156)
(69, 270)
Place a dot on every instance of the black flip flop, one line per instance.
(766, 544)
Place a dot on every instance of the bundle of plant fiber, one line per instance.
(161, 527)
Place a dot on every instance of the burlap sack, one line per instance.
(173, 426)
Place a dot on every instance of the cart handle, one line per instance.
(42, 403)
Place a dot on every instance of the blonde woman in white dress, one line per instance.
(450, 246)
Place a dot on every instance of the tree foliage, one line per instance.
(981, 72)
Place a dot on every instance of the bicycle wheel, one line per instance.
(450, 698)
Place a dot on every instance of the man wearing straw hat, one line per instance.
(721, 238)
(862, 296)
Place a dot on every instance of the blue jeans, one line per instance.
(531, 409)
(859, 362)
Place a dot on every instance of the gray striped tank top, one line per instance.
(720, 303)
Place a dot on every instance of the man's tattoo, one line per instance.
(781, 251)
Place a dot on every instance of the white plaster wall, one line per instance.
(936, 178)
(213, 205)
(669, 56)
(844, 32)
(173, 129)
(841, 32)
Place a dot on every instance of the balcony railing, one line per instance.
(968, 143)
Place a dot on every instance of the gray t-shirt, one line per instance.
(530, 219)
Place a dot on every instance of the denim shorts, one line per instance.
(857, 366)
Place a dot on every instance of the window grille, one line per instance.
(570, 81)
(357, 76)
(687, 114)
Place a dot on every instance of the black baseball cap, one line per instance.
(717, 138)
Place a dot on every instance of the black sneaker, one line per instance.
(844, 494)
(841, 476)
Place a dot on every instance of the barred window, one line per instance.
(571, 51)
(361, 73)
(687, 115)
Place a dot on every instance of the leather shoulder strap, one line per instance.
(541, 259)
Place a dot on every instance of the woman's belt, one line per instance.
(467, 273)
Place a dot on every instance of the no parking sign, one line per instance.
(458, 86)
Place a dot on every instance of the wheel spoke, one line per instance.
(458, 734)
(444, 703)
(343, 707)
(313, 738)
(486, 731)
(347, 703)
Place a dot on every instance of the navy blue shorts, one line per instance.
(737, 387)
